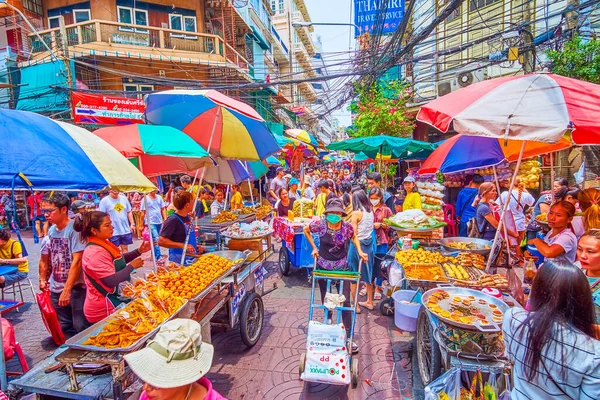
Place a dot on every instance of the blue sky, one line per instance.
(335, 39)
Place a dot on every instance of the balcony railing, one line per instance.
(115, 33)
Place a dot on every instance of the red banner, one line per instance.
(106, 110)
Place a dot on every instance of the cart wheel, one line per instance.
(428, 350)
(386, 307)
(302, 364)
(284, 261)
(251, 319)
(354, 372)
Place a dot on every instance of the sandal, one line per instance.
(363, 292)
(366, 305)
(377, 296)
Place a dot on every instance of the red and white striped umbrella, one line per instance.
(538, 107)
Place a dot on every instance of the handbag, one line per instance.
(50, 317)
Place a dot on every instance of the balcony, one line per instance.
(304, 33)
(302, 56)
(308, 91)
(114, 39)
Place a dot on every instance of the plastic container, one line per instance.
(405, 314)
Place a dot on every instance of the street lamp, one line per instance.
(298, 25)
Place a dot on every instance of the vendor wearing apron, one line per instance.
(177, 227)
(104, 266)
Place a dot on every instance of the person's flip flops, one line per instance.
(366, 305)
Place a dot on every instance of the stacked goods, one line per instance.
(529, 173)
(432, 194)
(224, 216)
(453, 180)
(137, 319)
(471, 260)
(326, 355)
(303, 208)
(247, 231)
(183, 282)
(497, 281)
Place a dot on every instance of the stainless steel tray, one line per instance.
(459, 291)
(415, 230)
(479, 242)
(76, 342)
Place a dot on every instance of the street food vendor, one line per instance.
(237, 201)
(175, 229)
(412, 201)
(560, 243)
(552, 346)
(285, 203)
(174, 364)
(104, 265)
(219, 204)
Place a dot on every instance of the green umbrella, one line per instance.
(382, 144)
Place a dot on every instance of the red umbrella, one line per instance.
(536, 107)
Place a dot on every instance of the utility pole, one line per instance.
(64, 56)
(528, 55)
(292, 45)
(572, 16)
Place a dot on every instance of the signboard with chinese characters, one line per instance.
(106, 110)
(366, 15)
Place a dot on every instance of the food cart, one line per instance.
(295, 251)
(206, 225)
(80, 371)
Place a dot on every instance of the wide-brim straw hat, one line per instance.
(176, 357)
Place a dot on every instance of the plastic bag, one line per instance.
(327, 359)
(446, 387)
(506, 395)
(49, 317)
(8, 339)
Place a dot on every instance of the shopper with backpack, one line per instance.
(487, 214)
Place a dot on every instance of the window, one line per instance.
(182, 23)
(454, 15)
(134, 87)
(477, 4)
(81, 15)
(282, 6)
(34, 6)
(274, 5)
(53, 22)
(132, 16)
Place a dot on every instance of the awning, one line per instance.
(260, 39)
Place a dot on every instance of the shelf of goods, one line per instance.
(432, 195)
(529, 173)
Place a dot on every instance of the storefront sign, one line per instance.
(106, 110)
(298, 110)
(366, 14)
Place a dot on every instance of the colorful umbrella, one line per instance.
(158, 149)
(233, 172)
(54, 155)
(291, 143)
(302, 136)
(227, 128)
(382, 144)
(536, 107)
(463, 152)
(272, 161)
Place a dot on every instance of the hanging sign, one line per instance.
(106, 110)
(367, 14)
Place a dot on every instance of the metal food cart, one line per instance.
(295, 250)
(76, 371)
(205, 225)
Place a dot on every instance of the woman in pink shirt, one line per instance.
(104, 267)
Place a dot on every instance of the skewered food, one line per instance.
(471, 260)
(224, 216)
(497, 281)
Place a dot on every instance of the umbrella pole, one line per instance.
(259, 191)
(195, 177)
(552, 177)
(251, 195)
(150, 231)
(505, 205)
(227, 196)
(508, 198)
(192, 230)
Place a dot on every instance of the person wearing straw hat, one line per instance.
(174, 363)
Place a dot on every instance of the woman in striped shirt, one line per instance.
(553, 348)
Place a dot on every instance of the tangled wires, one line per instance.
(589, 200)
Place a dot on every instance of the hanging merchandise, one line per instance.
(453, 180)
(529, 173)
(432, 194)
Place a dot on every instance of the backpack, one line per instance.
(473, 230)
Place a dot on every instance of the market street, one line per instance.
(269, 370)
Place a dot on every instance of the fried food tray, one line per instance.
(76, 342)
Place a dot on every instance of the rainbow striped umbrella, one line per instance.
(52, 155)
(226, 128)
(302, 136)
(233, 172)
(157, 149)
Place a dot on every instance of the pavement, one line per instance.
(269, 370)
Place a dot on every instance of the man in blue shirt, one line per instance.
(464, 203)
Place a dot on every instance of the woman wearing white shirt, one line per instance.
(219, 204)
(519, 200)
(307, 190)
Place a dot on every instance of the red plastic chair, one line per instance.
(450, 219)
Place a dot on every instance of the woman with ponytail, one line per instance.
(104, 266)
(589, 201)
(518, 200)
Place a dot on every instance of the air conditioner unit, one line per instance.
(461, 80)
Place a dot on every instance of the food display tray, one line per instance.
(459, 291)
(480, 242)
(206, 222)
(270, 232)
(197, 298)
(415, 230)
(76, 342)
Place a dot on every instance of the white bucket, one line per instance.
(405, 314)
